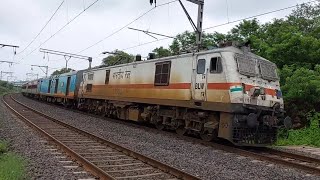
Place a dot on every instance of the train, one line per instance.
(223, 93)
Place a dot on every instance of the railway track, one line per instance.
(102, 158)
(300, 162)
(292, 160)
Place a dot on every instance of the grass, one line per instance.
(6, 88)
(12, 166)
(3, 147)
(309, 136)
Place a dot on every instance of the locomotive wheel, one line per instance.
(206, 136)
(159, 123)
(160, 126)
(181, 130)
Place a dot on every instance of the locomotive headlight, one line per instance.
(279, 94)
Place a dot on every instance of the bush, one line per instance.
(3, 147)
(301, 89)
(306, 136)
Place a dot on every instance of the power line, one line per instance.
(61, 28)
(125, 26)
(42, 28)
(150, 42)
(266, 13)
(258, 15)
(117, 31)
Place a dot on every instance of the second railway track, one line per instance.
(102, 158)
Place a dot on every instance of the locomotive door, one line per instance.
(200, 79)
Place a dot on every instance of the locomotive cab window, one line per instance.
(162, 74)
(90, 76)
(201, 67)
(215, 65)
(89, 88)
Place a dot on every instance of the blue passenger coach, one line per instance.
(61, 88)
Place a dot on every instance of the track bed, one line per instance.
(103, 159)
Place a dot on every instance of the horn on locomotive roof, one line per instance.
(153, 1)
(151, 56)
(138, 57)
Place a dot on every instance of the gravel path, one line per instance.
(199, 160)
(25, 142)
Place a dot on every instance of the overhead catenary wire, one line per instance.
(223, 24)
(125, 26)
(211, 27)
(74, 18)
(258, 15)
(143, 44)
(43, 27)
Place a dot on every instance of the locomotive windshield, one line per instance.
(254, 66)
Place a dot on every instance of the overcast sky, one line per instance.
(21, 20)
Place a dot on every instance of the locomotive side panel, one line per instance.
(138, 81)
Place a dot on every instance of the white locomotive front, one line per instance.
(225, 92)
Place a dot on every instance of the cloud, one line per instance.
(20, 21)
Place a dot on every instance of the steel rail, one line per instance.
(266, 157)
(86, 164)
(238, 150)
(242, 151)
(292, 155)
(96, 171)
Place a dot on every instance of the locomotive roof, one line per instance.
(216, 50)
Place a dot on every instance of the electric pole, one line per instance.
(197, 28)
(44, 71)
(5, 73)
(67, 56)
(9, 62)
(8, 45)
(15, 77)
(32, 75)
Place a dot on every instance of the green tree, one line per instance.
(187, 41)
(246, 30)
(301, 91)
(118, 57)
(61, 71)
(162, 52)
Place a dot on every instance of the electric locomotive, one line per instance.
(227, 93)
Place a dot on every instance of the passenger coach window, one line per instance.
(215, 65)
(162, 74)
(201, 67)
(107, 77)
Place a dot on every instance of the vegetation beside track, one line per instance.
(6, 87)
(12, 166)
(309, 136)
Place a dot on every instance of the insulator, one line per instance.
(153, 1)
